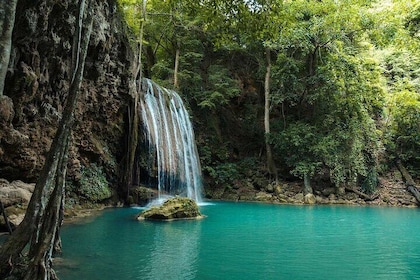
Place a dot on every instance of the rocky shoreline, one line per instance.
(391, 192)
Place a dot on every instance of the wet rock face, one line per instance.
(173, 209)
(142, 195)
(38, 82)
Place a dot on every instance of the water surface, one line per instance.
(247, 241)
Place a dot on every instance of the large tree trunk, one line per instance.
(41, 212)
(7, 21)
(270, 161)
(42, 249)
(363, 195)
(409, 182)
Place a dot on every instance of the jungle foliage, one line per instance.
(344, 98)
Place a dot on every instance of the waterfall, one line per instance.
(170, 138)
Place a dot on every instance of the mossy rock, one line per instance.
(177, 208)
(94, 186)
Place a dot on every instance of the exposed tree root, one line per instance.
(409, 182)
(363, 195)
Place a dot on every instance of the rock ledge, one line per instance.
(177, 208)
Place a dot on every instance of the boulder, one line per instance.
(332, 197)
(15, 197)
(269, 188)
(309, 199)
(16, 192)
(176, 208)
(263, 196)
(278, 190)
(299, 197)
(15, 215)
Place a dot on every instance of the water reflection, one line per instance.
(174, 251)
(247, 241)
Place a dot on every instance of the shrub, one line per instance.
(93, 184)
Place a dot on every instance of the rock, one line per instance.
(263, 196)
(246, 195)
(320, 200)
(328, 191)
(142, 195)
(230, 194)
(269, 188)
(332, 197)
(15, 214)
(278, 190)
(282, 198)
(299, 197)
(15, 197)
(214, 193)
(341, 201)
(6, 109)
(309, 199)
(341, 190)
(16, 192)
(173, 209)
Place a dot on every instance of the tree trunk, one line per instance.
(270, 161)
(133, 112)
(176, 66)
(409, 182)
(363, 195)
(32, 227)
(307, 184)
(7, 21)
(40, 251)
(6, 219)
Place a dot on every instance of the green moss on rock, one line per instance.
(172, 209)
(93, 184)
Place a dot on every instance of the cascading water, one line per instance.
(170, 138)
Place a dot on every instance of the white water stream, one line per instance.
(171, 140)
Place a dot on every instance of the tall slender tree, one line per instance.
(7, 21)
(136, 15)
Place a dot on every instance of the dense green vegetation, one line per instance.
(337, 83)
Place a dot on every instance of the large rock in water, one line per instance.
(173, 209)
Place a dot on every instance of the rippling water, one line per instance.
(247, 241)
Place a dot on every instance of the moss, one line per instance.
(93, 184)
(172, 209)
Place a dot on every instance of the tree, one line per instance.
(42, 218)
(326, 86)
(135, 14)
(7, 20)
(398, 47)
(404, 126)
(252, 26)
(413, 22)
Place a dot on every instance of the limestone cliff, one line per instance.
(37, 84)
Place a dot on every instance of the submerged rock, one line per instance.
(173, 209)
